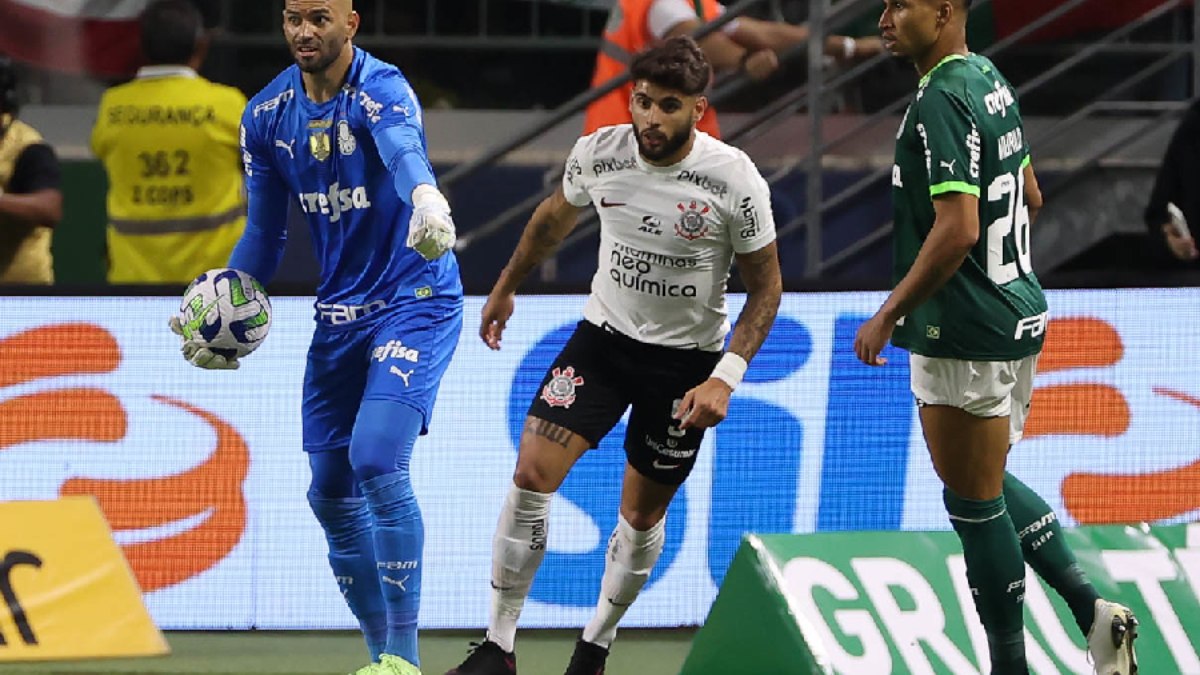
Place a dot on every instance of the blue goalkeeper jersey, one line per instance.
(350, 165)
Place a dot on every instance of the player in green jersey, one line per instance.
(969, 309)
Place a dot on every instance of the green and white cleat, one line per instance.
(394, 665)
(1110, 641)
(389, 665)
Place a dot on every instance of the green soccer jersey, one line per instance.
(963, 133)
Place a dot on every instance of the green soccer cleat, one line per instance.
(369, 669)
(389, 665)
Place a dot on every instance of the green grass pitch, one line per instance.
(543, 652)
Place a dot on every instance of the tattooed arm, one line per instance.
(552, 221)
(764, 286)
(706, 404)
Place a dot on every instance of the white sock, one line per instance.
(631, 556)
(517, 550)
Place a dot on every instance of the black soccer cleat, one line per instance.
(588, 659)
(487, 658)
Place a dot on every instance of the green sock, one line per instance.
(996, 573)
(1047, 552)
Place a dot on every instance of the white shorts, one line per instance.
(982, 388)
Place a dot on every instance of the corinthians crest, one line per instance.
(691, 225)
(559, 392)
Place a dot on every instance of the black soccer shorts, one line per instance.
(600, 373)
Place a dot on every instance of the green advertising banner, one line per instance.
(863, 603)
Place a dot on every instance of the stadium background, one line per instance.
(826, 445)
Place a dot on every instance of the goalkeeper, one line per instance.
(340, 134)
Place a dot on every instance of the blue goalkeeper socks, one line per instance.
(384, 434)
(399, 539)
(348, 529)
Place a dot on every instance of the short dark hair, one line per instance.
(675, 64)
(170, 31)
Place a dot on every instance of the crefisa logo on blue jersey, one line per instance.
(395, 349)
(337, 201)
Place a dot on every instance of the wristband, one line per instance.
(849, 47)
(730, 369)
(428, 195)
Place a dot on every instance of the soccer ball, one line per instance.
(227, 311)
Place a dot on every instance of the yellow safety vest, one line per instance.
(176, 202)
(24, 249)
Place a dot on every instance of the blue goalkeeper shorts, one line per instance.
(398, 357)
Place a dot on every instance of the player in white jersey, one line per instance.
(676, 208)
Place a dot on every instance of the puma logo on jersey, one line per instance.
(398, 583)
(949, 166)
(401, 374)
(290, 147)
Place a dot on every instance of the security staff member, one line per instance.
(30, 199)
(169, 141)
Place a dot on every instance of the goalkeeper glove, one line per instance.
(431, 230)
(200, 356)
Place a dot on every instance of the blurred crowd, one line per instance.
(167, 136)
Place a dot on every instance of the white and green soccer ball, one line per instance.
(227, 311)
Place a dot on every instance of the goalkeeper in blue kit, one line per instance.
(340, 135)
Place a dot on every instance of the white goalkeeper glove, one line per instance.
(431, 230)
(200, 356)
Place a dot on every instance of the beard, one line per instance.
(327, 53)
(668, 147)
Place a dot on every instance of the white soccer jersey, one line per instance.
(667, 234)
